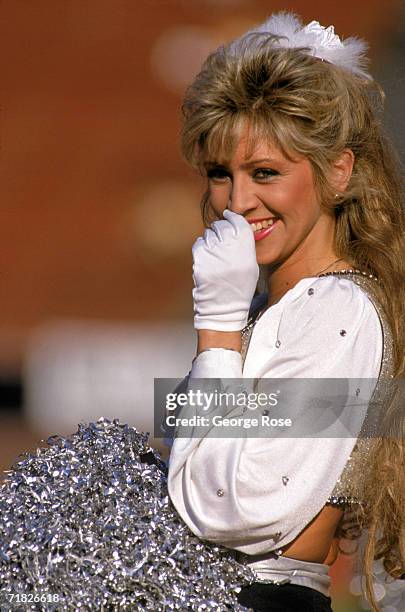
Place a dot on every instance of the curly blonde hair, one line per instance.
(312, 108)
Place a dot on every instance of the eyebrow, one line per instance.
(210, 164)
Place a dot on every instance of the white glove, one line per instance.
(225, 274)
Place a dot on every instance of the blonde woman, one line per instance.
(304, 202)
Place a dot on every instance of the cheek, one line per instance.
(300, 199)
(304, 184)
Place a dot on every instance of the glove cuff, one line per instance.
(220, 323)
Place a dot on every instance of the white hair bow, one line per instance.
(321, 42)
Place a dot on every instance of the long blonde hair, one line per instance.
(309, 107)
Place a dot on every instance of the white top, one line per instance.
(256, 495)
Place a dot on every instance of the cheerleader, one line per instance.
(299, 275)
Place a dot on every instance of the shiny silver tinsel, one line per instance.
(88, 521)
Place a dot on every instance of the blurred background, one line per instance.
(99, 211)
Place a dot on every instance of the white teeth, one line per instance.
(262, 224)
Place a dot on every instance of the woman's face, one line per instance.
(281, 192)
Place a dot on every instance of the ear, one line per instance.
(341, 170)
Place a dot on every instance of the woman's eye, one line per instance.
(216, 173)
(266, 172)
(220, 174)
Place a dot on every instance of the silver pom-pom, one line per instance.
(87, 524)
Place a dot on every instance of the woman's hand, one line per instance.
(225, 274)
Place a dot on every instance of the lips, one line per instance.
(262, 227)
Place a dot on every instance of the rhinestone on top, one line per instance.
(350, 271)
(220, 492)
(343, 332)
(349, 489)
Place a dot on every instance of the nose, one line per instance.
(242, 198)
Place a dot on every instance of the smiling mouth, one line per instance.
(263, 224)
(263, 227)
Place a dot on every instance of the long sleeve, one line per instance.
(256, 495)
(219, 363)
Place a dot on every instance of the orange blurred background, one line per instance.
(99, 211)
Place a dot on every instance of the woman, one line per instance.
(302, 182)
(87, 522)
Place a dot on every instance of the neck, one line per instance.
(315, 255)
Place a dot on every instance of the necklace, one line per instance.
(316, 274)
(332, 264)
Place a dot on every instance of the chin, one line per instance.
(266, 259)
